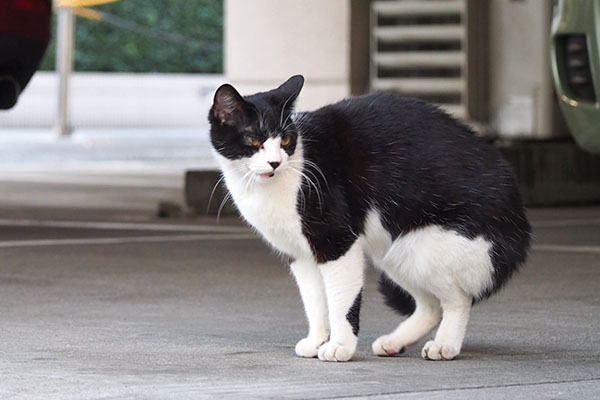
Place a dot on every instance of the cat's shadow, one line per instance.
(482, 351)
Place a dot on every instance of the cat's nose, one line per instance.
(274, 164)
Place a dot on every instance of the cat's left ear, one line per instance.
(290, 89)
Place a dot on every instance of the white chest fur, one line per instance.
(270, 206)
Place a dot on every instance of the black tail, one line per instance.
(510, 244)
(395, 297)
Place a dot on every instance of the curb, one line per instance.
(554, 173)
(548, 173)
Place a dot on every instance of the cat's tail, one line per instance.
(395, 297)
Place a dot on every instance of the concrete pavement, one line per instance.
(99, 299)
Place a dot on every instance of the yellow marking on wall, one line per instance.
(88, 13)
(82, 3)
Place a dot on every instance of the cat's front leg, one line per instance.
(343, 280)
(310, 282)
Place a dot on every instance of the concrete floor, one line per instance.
(101, 300)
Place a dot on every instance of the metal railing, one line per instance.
(64, 57)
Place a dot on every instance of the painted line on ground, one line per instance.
(128, 226)
(218, 233)
(561, 248)
(124, 240)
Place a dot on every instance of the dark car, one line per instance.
(24, 37)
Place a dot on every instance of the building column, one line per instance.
(267, 41)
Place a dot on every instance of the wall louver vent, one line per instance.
(418, 48)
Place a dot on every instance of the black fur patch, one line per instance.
(414, 164)
(353, 315)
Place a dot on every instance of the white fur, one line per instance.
(312, 290)
(441, 269)
(328, 290)
(343, 281)
(432, 258)
(269, 204)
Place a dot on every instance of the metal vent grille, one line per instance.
(418, 49)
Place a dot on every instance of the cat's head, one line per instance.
(257, 130)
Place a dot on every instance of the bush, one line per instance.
(149, 36)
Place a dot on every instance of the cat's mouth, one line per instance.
(268, 175)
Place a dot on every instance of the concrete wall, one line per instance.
(327, 41)
(267, 41)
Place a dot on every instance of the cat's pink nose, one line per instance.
(274, 164)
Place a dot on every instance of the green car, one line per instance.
(575, 50)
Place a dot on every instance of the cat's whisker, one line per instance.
(306, 164)
(252, 179)
(311, 183)
(247, 179)
(283, 109)
(223, 202)
(316, 180)
(287, 125)
(318, 170)
(260, 117)
(317, 190)
(212, 193)
(302, 196)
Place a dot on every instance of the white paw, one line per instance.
(331, 351)
(308, 347)
(387, 345)
(439, 351)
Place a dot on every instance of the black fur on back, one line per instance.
(417, 166)
(412, 162)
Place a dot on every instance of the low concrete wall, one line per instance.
(103, 100)
(554, 172)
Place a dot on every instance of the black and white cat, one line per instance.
(376, 178)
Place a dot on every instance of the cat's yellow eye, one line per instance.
(253, 141)
(286, 140)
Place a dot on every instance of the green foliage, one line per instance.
(149, 36)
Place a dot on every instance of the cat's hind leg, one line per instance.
(425, 317)
(310, 283)
(343, 280)
(451, 333)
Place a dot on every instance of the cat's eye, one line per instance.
(253, 141)
(286, 140)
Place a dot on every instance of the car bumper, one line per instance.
(578, 18)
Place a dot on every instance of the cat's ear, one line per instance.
(228, 105)
(290, 89)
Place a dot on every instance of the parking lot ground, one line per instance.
(100, 299)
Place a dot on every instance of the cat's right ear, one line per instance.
(291, 88)
(228, 105)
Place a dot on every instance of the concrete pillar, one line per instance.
(64, 67)
(267, 41)
(522, 100)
